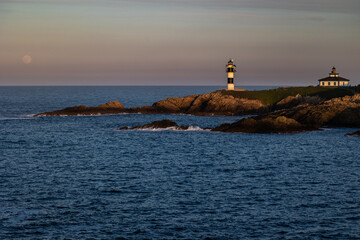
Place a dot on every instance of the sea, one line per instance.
(80, 177)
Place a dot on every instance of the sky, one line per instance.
(177, 42)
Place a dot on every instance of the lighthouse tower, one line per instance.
(230, 69)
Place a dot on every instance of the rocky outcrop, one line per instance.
(335, 112)
(293, 101)
(163, 124)
(266, 124)
(156, 124)
(111, 105)
(308, 110)
(175, 104)
(341, 112)
(213, 103)
(219, 104)
(349, 117)
(107, 108)
(357, 133)
(248, 125)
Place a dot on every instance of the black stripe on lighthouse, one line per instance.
(230, 80)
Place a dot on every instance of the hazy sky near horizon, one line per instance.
(177, 42)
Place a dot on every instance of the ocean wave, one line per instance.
(179, 129)
(82, 115)
(15, 118)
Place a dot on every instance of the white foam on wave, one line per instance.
(17, 117)
(196, 128)
(190, 128)
(14, 118)
(82, 115)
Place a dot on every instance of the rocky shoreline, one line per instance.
(213, 103)
(291, 114)
(337, 112)
(107, 108)
(248, 125)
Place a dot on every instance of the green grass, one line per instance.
(272, 96)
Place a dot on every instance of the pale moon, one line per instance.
(27, 59)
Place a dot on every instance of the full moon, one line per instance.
(27, 59)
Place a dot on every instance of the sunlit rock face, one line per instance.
(311, 112)
(111, 105)
(208, 104)
(343, 112)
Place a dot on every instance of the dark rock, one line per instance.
(155, 125)
(310, 111)
(342, 112)
(357, 133)
(76, 108)
(293, 101)
(159, 124)
(107, 108)
(265, 124)
(163, 124)
(290, 101)
(350, 117)
(214, 103)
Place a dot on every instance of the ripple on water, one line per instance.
(77, 178)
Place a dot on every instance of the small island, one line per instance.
(280, 110)
(333, 103)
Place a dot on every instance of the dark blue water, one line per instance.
(79, 177)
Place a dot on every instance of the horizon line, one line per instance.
(255, 85)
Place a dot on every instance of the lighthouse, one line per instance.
(334, 80)
(230, 69)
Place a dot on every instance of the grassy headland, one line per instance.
(219, 102)
(272, 96)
